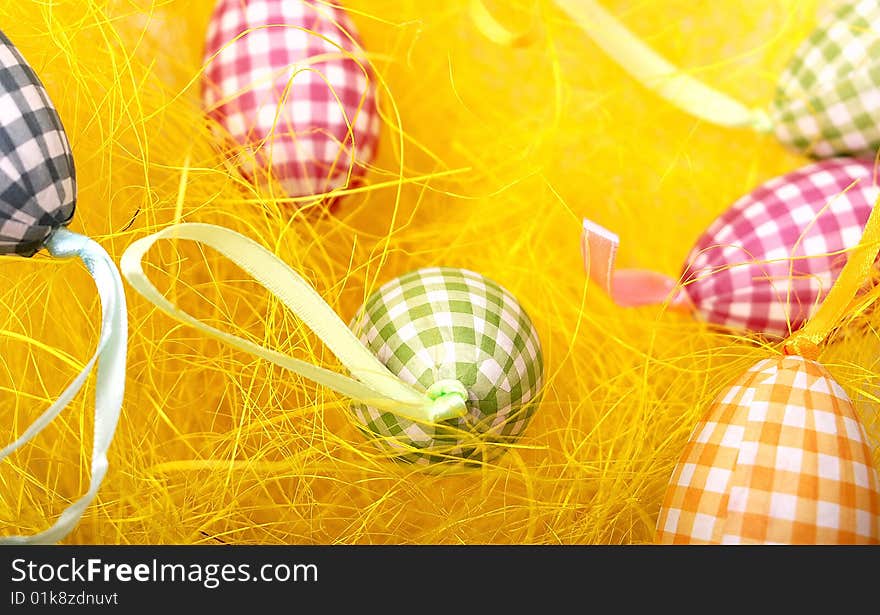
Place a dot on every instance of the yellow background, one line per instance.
(489, 158)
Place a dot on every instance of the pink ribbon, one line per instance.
(627, 287)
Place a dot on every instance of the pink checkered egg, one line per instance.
(291, 93)
(768, 261)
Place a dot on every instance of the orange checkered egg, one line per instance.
(290, 93)
(780, 458)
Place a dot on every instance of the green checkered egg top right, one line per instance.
(828, 97)
(827, 100)
(452, 332)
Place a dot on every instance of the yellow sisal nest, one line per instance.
(489, 157)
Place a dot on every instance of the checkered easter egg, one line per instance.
(37, 179)
(767, 262)
(291, 92)
(781, 457)
(442, 323)
(828, 97)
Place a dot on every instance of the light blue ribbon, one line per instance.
(110, 357)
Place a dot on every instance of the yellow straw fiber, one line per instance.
(490, 155)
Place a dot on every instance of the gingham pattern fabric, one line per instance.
(781, 458)
(828, 97)
(37, 179)
(289, 94)
(444, 323)
(767, 262)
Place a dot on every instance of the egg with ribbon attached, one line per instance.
(781, 457)
(827, 97)
(765, 263)
(37, 202)
(288, 87)
(37, 178)
(447, 324)
(827, 101)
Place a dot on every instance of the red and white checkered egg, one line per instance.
(767, 262)
(291, 92)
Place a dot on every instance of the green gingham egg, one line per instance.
(444, 323)
(827, 101)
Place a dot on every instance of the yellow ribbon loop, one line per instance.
(369, 382)
(659, 74)
(634, 56)
(497, 32)
(842, 299)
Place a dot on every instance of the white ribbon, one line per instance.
(110, 357)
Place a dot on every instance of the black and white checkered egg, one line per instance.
(445, 323)
(37, 179)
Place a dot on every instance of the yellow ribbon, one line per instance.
(841, 300)
(369, 382)
(498, 33)
(637, 58)
(657, 73)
